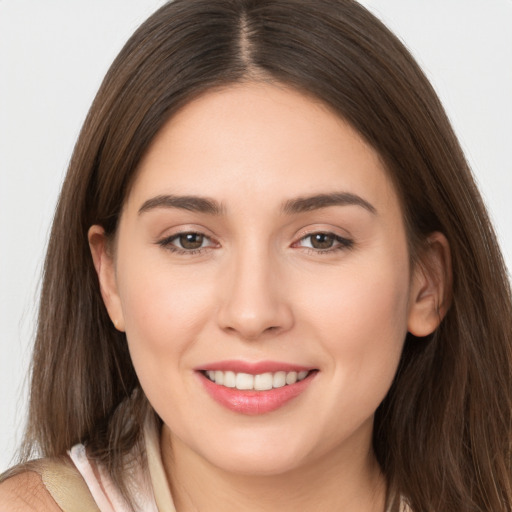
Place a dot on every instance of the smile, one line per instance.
(255, 389)
(259, 382)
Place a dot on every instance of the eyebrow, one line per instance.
(292, 206)
(318, 201)
(190, 203)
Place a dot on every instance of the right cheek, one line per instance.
(164, 310)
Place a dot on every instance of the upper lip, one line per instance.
(253, 368)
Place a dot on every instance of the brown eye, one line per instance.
(190, 241)
(187, 242)
(322, 240)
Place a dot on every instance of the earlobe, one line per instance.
(104, 265)
(431, 282)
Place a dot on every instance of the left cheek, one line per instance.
(362, 325)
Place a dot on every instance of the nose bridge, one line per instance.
(253, 301)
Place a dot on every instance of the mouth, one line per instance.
(259, 382)
(251, 392)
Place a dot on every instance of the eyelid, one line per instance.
(166, 242)
(340, 242)
(343, 242)
(322, 227)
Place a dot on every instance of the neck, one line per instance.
(333, 483)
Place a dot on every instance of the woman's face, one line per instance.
(262, 245)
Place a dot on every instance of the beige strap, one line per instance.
(65, 484)
(159, 482)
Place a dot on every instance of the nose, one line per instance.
(254, 301)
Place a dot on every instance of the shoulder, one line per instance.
(46, 485)
(26, 492)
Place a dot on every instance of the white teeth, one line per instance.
(279, 380)
(260, 382)
(263, 382)
(291, 378)
(243, 381)
(229, 379)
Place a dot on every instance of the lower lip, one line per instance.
(255, 402)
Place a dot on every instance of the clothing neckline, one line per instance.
(157, 474)
(149, 488)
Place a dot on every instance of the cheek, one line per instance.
(164, 311)
(361, 323)
(366, 297)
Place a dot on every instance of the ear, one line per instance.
(104, 263)
(431, 283)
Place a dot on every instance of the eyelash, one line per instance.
(342, 243)
(167, 243)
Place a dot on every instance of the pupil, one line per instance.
(191, 241)
(322, 241)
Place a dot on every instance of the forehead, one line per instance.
(261, 141)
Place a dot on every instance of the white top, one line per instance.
(150, 492)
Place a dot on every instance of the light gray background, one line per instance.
(53, 55)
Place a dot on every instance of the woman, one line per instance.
(271, 281)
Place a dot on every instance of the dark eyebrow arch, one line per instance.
(190, 203)
(318, 201)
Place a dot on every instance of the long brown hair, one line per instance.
(442, 434)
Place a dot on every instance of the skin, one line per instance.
(26, 492)
(258, 289)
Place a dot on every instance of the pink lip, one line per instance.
(254, 402)
(253, 368)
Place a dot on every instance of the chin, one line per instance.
(258, 465)
(253, 456)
